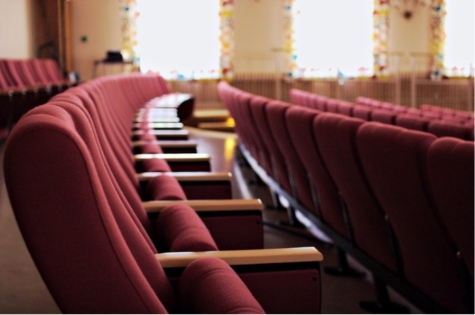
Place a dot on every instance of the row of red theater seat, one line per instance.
(24, 84)
(399, 201)
(425, 110)
(72, 181)
(441, 123)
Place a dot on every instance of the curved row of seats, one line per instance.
(107, 239)
(442, 123)
(24, 84)
(400, 201)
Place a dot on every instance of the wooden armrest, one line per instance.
(188, 176)
(156, 111)
(207, 205)
(174, 157)
(169, 100)
(162, 125)
(168, 133)
(244, 257)
(168, 143)
(159, 118)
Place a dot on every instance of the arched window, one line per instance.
(333, 38)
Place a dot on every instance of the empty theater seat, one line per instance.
(394, 161)
(94, 254)
(450, 163)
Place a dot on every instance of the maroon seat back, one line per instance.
(442, 128)
(91, 261)
(263, 155)
(384, 116)
(333, 106)
(298, 175)
(24, 67)
(18, 80)
(451, 172)
(345, 108)
(52, 71)
(412, 121)
(7, 81)
(297, 96)
(362, 112)
(277, 160)
(38, 71)
(395, 162)
(336, 140)
(299, 123)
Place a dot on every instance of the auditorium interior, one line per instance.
(324, 152)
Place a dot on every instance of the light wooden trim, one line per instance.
(160, 118)
(171, 99)
(217, 205)
(188, 176)
(174, 157)
(168, 133)
(168, 143)
(161, 125)
(244, 257)
(156, 110)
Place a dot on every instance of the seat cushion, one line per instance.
(179, 228)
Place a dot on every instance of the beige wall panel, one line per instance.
(16, 33)
(100, 22)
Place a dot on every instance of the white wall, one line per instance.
(16, 30)
(100, 22)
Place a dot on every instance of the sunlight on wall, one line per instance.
(333, 36)
(459, 28)
(179, 38)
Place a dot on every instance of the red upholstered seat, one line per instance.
(412, 121)
(318, 102)
(442, 128)
(451, 170)
(278, 164)
(300, 184)
(297, 96)
(384, 116)
(395, 162)
(110, 130)
(346, 108)
(335, 136)
(262, 152)
(237, 103)
(240, 100)
(362, 112)
(92, 255)
(327, 202)
(333, 106)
